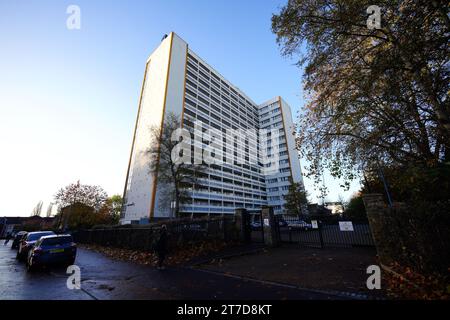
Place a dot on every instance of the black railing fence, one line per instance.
(318, 230)
(143, 237)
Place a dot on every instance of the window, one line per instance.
(192, 84)
(191, 93)
(203, 91)
(192, 66)
(203, 110)
(189, 112)
(192, 58)
(190, 102)
(204, 83)
(191, 74)
(204, 68)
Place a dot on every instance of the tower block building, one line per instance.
(178, 82)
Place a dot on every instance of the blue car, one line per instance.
(27, 242)
(52, 250)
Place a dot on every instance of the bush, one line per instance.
(418, 236)
(355, 209)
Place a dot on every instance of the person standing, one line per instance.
(8, 237)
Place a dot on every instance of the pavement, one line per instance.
(342, 271)
(103, 278)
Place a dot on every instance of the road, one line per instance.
(103, 278)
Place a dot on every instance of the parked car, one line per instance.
(28, 241)
(18, 236)
(255, 225)
(282, 223)
(299, 224)
(193, 227)
(52, 250)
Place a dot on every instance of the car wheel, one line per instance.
(30, 266)
(21, 258)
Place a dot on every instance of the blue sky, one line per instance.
(68, 98)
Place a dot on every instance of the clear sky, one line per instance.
(68, 98)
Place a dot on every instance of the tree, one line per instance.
(112, 209)
(296, 199)
(376, 97)
(37, 210)
(355, 208)
(49, 210)
(342, 201)
(92, 196)
(81, 216)
(165, 165)
(411, 183)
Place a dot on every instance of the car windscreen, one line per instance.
(36, 236)
(56, 241)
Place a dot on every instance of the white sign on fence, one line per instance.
(345, 226)
(266, 222)
(314, 224)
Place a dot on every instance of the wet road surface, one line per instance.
(105, 278)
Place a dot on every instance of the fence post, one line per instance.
(320, 235)
(242, 225)
(376, 210)
(271, 234)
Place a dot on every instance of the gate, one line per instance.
(324, 231)
(256, 227)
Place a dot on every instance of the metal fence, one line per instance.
(317, 231)
(324, 231)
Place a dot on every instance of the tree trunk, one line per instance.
(177, 201)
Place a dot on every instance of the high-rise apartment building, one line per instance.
(177, 81)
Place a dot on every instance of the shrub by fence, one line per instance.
(419, 236)
(142, 237)
(415, 235)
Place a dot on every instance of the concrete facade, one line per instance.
(177, 81)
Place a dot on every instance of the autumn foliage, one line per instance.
(181, 255)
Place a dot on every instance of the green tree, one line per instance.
(355, 208)
(296, 200)
(112, 209)
(376, 97)
(80, 216)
